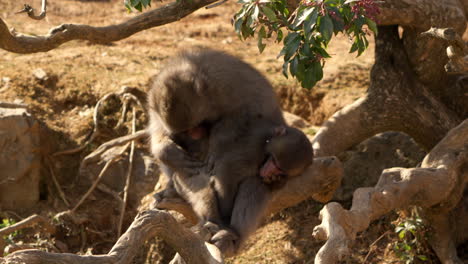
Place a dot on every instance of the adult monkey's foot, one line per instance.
(227, 241)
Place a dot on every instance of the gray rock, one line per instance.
(20, 159)
(295, 121)
(364, 163)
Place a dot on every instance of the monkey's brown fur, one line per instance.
(218, 174)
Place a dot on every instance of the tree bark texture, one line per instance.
(145, 226)
(396, 100)
(20, 43)
(437, 187)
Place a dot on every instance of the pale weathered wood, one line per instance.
(439, 182)
(20, 43)
(145, 226)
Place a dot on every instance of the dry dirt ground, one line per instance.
(79, 73)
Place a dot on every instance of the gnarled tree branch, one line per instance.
(415, 14)
(457, 52)
(438, 186)
(396, 101)
(20, 43)
(145, 226)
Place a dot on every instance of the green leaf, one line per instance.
(261, 34)
(290, 38)
(359, 22)
(293, 66)
(306, 51)
(326, 27)
(291, 44)
(366, 43)
(309, 78)
(361, 46)
(269, 13)
(255, 13)
(372, 25)
(300, 71)
(285, 69)
(128, 6)
(322, 52)
(310, 23)
(238, 26)
(138, 7)
(402, 234)
(318, 71)
(281, 7)
(245, 10)
(246, 31)
(242, 12)
(354, 47)
(145, 3)
(302, 16)
(338, 24)
(249, 21)
(407, 247)
(422, 257)
(279, 35)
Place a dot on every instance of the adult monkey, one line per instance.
(196, 89)
(204, 91)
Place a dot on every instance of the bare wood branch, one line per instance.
(20, 43)
(13, 105)
(30, 11)
(440, 181)
(55, 181)
(145, 226)
(94, 132)
(372, 246)
(319, 182)
(456, 51)
(126, 94)
(95, 183)
(375, 114)
(27, 222)
(216, 4)
(448, 13)
(129, 174)
(395, 101)
(120, 141)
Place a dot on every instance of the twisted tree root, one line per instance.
(437, 187)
